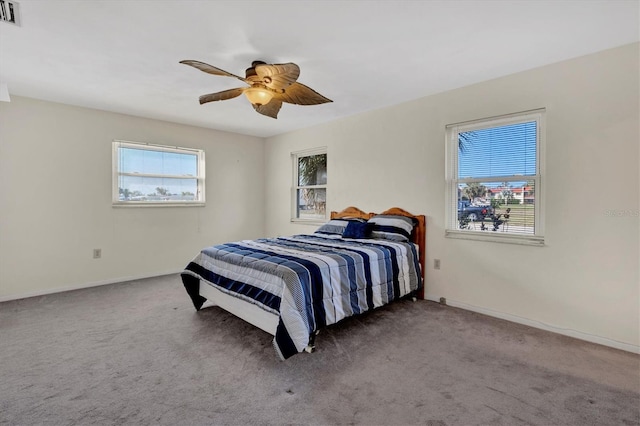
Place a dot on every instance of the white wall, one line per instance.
(585, 281)
(55, 182)
(55, 198)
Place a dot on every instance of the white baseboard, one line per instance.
(537, 324)
(85, 285)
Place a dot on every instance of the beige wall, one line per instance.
(55, 183)
(585, 281)
(55, 198)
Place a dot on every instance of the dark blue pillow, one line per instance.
(337, 226)
(358, 230)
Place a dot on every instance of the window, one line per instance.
(309, 195)
(155, 175)
(494, 179)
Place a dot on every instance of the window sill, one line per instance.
(309, 221)
(495, 237)
(130, 204)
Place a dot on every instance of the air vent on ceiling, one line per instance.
(9, 12)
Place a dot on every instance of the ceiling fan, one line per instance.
(269, 86)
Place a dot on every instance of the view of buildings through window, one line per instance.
(497, 175)
(155, 174)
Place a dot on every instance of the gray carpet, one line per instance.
(138, 353)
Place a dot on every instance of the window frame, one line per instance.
(452, 181)
(116, 174)
(295, 157)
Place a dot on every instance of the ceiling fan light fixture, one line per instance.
(269, 86)
(258, 95)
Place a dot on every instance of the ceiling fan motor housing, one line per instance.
(251, 71)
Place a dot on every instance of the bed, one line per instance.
(292, 287)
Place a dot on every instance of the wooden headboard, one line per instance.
(418, 236)
(351, 212)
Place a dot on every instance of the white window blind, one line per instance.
(146, 174)
(494, 178)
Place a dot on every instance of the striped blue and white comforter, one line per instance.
(309, 281)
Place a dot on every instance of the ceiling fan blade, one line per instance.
(271, 109)
(278, 76)
(221, 96)
(300, 94)
(211, 69)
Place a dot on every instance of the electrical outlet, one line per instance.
(97, 253)
(436, 263)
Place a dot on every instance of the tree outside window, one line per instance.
(310, 195)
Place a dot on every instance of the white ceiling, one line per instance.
(123, 56)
